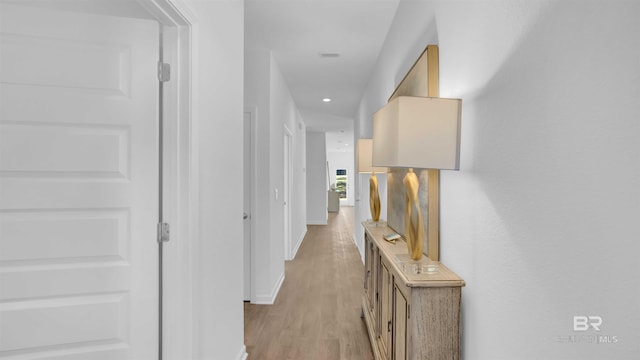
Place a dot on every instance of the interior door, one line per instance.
(78, 185)
(248, 193)
(287, 195)
(386, 310)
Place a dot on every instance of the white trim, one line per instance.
(317, 222)
(360, 248)
(270, 299)
(181, 273)
(242, 354)
(170, 12)
(295, 250)
(287, 130)
(194, 204)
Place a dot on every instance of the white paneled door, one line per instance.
(78, 186)
(248, 199)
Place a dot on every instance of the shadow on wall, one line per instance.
(554, 147)
(430, 36)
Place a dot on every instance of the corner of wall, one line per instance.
(296, 247)
(317, 222)
(271, 298)
(242, 354)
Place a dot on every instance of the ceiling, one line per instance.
(123, 8)
(340, 141)
(299, 32)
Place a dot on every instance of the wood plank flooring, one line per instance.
(316, 315)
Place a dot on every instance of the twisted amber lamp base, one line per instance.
(413, 224)
(374, 198)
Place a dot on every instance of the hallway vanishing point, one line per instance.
(316, 315)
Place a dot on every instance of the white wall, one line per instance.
(317, 178)
(299, 199)
(266, 91)
(218, 107)
(540, 220)
(284, 113)
(343, 160)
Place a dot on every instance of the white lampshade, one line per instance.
(364, 157)
(418, 132)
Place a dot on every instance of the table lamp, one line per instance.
(364, 165)
(417, 132)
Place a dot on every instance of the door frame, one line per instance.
(180, 186)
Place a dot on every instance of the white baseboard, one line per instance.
(242, 355)
(360, 248)
(295, 250)
(317, 222)
(269, 299)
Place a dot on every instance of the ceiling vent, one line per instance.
(329, 55)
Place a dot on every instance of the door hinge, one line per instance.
(164, 71)
(163, 232)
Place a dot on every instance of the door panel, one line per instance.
(78, 185)
(400, 325)
(386, 311)
(286, 193)
(248, 196)
(64, 150)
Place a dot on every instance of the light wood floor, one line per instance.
(317, 312)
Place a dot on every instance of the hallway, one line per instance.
(317, 312)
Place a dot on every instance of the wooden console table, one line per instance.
(411, 312)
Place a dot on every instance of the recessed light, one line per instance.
(326, 100)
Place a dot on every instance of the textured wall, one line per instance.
(541, 219)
